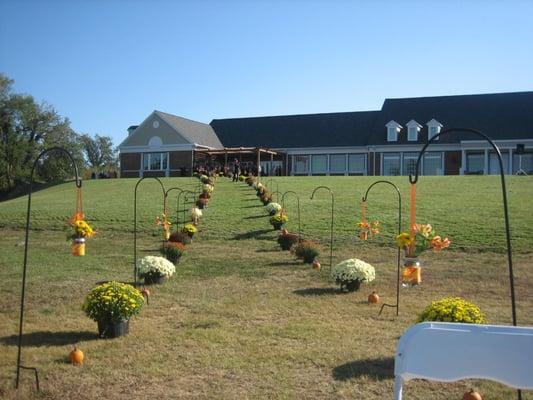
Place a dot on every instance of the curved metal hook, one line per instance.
(135, 220)
(365, 197)
(26, 241)
(331, 228)
(298, 205)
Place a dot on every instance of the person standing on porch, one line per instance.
(236, 170)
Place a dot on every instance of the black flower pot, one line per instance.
(153, 279)
(110, 330)
(351, 286)
(308, 259)
(277, 226)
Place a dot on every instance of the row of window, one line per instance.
(405, 163)
(338, 163)
(413, 128)
(155, 161)
(475, 163)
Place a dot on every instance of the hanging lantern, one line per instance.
(411, 272)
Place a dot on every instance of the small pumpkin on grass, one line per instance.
(373, 298)
(316, 265)
(472, 395)
(76, 356)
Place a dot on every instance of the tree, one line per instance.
(99, 152)
(26, 128)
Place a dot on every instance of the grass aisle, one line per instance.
(240, 319)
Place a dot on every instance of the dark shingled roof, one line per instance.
(285, 131)
(499, 116)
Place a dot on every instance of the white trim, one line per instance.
(162, 148)
(433, 123)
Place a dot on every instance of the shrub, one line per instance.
(279, 219)
(307, 250)
(172, 251)
(452, 309)
(287, 240)
(113, 302)
(189, 229)
(180, 237)
(352, 272)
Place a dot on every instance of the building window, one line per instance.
(409, 163)
(432, 163)
(357, 164)
(301, 164)
(391, 164)
(475, 163)
(494, 164)
(434, 128)
(413, 128)
(393, 128)
(155, 161)
(319, 164)
(337, 163)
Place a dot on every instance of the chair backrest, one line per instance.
(449, 352)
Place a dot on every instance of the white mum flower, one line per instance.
(353, 269)
(156, 264)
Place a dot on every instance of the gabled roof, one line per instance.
(286, 131)
(193, 131)
(500, 116)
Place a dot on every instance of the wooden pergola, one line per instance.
(240, 151)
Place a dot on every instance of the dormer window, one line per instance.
(393, 128)
(413, 128)
(434, 128)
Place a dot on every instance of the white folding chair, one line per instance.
(448, 352)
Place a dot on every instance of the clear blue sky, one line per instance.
(107, 64)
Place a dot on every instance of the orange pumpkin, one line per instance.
(472, 395)
(373, 298)
(316, 265)
(76, 356)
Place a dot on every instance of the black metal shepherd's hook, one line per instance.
(271, 185)
(166, 196)
(505, 207)
(187, 193)
(331, 228)
(25, 266)
(135, 222)
(298, 205)
(365, 197)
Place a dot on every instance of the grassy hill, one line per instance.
(242, 319)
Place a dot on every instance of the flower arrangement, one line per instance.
(352, 272)
(265, 198)
(204, 179)
(180, 237)
(113, 302)
(367, 229)
(250, 180)
(163, 221)
(207, 188)
(202, 203)
(425, 238)
(196, 214)
(278, 220)
(241, 178)
(81, 230)
(452, 309)
(273, 208)
(155, 267)
(205, 195)
(307, 250)
(286, 240)
(172, 251)
(189, 229)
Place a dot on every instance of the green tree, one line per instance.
(99, 152)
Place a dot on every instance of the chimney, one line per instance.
(131, 129)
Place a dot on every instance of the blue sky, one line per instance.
(107, 64)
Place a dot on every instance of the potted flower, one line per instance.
(204, 179)
(172, 251)
(196, 214)
(81, 230)
(349, 274)
(205, 195)
(155, 269)
(208, 188)
(111, 305)
(250, 180)
(286, 240)
(453, 309)
(307, 250)
(241, 178)
(367, 229)
(278, 220)
(163, 221)
(422, 238)
(180, 237)
(273, 208)
(189, 229)
(201, 203)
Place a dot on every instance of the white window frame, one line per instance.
(393, 128)
(436, 125)
(148, 156)
(413, 128)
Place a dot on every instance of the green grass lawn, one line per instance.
(242, 319)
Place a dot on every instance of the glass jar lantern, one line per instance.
(411, 272)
